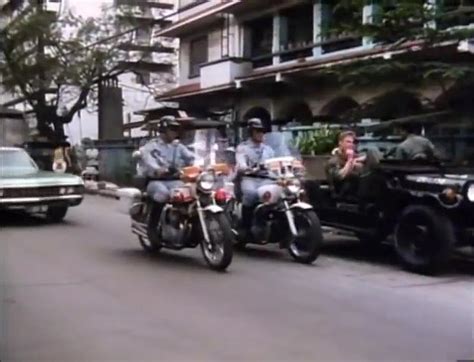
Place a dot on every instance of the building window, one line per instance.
(296, 35)
(198, 53)
(335, 17)
(258, 41)
(459, 14)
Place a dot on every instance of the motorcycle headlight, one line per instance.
(206, 182)
(470, 193)
(294, 186)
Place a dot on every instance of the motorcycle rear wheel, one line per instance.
(218, 254)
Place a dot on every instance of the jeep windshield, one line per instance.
(16, 162)
(451, 133)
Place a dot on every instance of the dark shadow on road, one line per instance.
(384, 255)
(269, 253)
(20, 220)
(165, 259)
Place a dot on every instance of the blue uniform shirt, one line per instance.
(250, 154)
(159, 156)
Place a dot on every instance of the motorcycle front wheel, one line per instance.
(306, 247)
(218, 252)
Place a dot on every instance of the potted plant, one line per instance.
(316, 147)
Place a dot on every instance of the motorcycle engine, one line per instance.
(173, 231)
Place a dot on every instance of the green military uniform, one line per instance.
(333, 167)
(415, 147)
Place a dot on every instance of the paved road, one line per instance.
(84, 291)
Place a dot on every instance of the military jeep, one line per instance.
(425, 207)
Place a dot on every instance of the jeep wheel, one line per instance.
(424, 239)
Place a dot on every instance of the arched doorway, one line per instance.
(297, 113)
(340, 107)
(393, 104)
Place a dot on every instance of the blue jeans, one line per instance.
(250, 186)
(160, 191)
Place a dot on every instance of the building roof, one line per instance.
(189, 90)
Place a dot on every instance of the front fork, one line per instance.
(291, 219)
(202, 221)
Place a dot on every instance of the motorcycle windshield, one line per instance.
(282, 144)
(209, 148)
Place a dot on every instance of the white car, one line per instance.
(23, 186)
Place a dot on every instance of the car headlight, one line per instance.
(70, 190)
(62, 190)
(470, 193)
(1, 192)
(206, 182)
(294, 186)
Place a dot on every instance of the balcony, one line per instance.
(195, 16)
(156, 4)
(223, 71)
(144, 19)
(156, 48)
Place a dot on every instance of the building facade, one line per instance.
(264, 58)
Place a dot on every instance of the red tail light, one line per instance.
(221, 195)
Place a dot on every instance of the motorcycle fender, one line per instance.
(213, 209)
(301, 206)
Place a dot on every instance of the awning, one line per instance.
(191, 90)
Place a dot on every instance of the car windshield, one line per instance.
(16, 162)
(282, 144)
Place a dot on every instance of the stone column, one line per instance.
(321, 16)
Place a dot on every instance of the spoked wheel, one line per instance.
(218, 252)
(306, 247)
(424, 239)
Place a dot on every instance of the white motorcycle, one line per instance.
(281, 216)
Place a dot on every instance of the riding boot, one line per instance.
(247, 221)
(154, 220)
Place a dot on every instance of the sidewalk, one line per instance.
(101, 188)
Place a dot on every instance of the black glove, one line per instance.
(172, 170)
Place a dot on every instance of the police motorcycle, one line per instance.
(281, 216)
(192, 217)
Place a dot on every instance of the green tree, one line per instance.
(394, 24)
(55, 63)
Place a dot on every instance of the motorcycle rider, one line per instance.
(162, 158)
(249, 155)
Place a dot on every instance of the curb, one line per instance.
(111, 194)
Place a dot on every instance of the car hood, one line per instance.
(38, 179)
